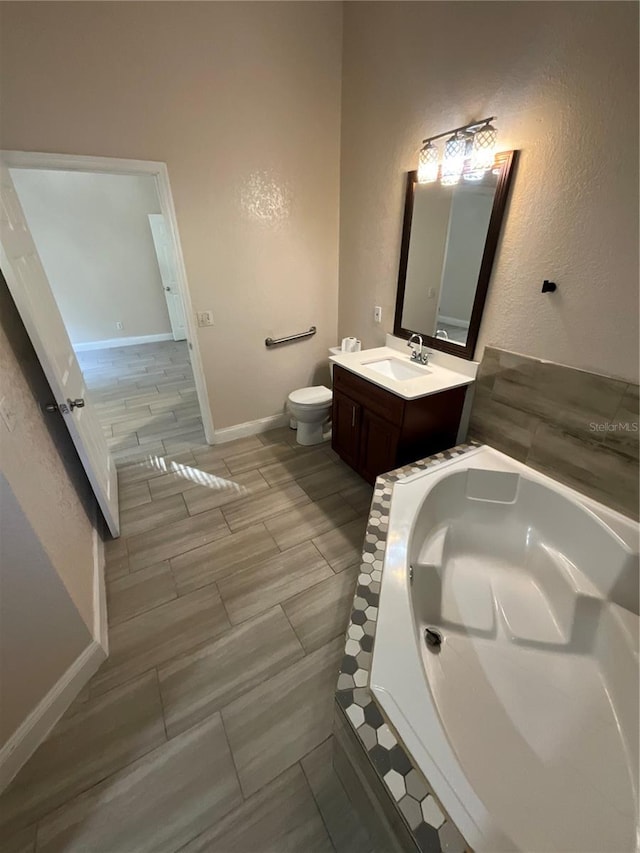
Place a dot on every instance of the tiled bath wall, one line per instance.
(580, 428)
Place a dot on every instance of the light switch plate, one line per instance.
(377, 314)
(205, 318)
(7, 414)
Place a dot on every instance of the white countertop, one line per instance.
(435, 378)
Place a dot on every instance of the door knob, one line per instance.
(78, 403)
(168, 288)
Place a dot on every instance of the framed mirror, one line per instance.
(449, 240)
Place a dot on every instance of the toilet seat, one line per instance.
(312, 396)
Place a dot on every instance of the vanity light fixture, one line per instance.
(455, 152)
(428, 163)
(469, 151)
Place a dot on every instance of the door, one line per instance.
(345, 428)
(378, 446)
(34, 299)
(166, 263)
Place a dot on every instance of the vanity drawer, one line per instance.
(382, 403)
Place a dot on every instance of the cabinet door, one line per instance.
(378, 446)
(345, 429)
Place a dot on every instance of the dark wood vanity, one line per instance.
(375, 431)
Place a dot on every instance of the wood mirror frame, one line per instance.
(506, 161)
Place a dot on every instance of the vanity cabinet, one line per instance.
(375, 431)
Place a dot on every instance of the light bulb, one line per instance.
(428, 164)
(483, 152)
(453, 164)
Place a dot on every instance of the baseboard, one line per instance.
(250, 428)
(109, 343)
(100, 623)
(28, 737)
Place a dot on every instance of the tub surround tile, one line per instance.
(201, 682)
(156, 804)
(406, 788)
(626, 441)
(260, 586)
(102, 736)
(589, 467)
(277, 723)
(347, 832)
(281, 817)
(580, 427)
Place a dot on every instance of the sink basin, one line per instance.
(395, 368)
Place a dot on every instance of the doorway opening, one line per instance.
(107, 238)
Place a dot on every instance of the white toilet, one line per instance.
(310, 409)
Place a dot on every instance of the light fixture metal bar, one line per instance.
(469, 126)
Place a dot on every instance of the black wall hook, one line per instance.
(548, 286)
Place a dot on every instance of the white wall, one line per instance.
(242, 102)
(562, 79)
(94, 241)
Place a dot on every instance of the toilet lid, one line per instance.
(314, 394)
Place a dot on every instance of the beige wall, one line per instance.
(242, 101)
(93, 237)
(41, 632)
(562, 79)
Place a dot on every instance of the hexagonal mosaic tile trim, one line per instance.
(431, 830)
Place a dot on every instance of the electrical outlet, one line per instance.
(205, 318)
(377, 314)
(119, 325)
(7, 414)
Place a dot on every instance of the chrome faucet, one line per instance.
(420, 355)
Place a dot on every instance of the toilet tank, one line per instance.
(333, 351)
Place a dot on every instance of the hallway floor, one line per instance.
(209, 726)
(145, 397)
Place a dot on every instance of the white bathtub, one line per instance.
(525, 719)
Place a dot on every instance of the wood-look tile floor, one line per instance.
(145, 397)
(209, 726)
